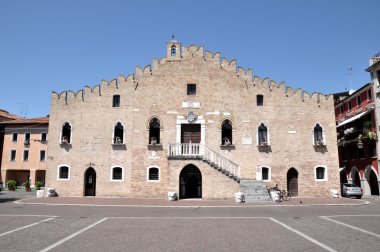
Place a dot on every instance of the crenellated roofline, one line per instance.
(191, 52)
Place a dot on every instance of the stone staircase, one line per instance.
(254, 191)
(212, 158)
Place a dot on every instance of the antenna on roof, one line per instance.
(349, 70)
(23, 109)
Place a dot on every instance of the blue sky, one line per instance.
(48, 45)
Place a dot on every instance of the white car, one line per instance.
(349, 190)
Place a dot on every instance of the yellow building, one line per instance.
(24, 150)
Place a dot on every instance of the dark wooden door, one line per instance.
(292, 182)
(90, 182)
(191, 132)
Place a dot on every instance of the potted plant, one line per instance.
(118, 140)
(366, 126)
(226, 141)
(65, 140)
(153, 140)
(372, 135)
(27, 185)
(320, 142)
(38, 185)
(11, 184)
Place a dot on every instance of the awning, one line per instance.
(354, 117)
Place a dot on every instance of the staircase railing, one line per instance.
(191, 150)
(222, 162)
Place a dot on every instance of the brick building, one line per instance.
(24, 150)
(357, 139)
(192, 123)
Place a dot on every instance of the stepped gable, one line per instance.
(192, 52)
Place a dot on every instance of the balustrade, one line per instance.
(191, 150)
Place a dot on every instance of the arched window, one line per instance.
(226, 132)
(154, 131)
(173, 51)
(153, 174)
(63, 172)
(320, 173)
(318, 135)
(116, 101)
(263, 135)
(260, 100)
(66, 133)
(118, 134)
(117, 174)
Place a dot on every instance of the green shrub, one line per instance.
(11, 185)
(367, 124)
(38, 185)
(27, 184)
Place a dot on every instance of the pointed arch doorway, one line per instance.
(372, 181)
(292, 182)
(190, 182)
(90, 182)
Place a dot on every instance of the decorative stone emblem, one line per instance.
(153, 155)
(191, 117)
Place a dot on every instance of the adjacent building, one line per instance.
(357, 119)
(357, 139)
(374, 70)
(24, 150)
(195, 124)
(4, 116)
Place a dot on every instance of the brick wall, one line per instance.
(223, 93)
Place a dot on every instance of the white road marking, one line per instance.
(27, 215)
(27, 226)
(353, 227)
(184, 217)
(351, 215)
(304, 235)
(73, 235)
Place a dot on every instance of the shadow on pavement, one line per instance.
(4, 200)
(7, 196)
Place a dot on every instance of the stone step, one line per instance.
(254, 191)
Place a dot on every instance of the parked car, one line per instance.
(349, 190)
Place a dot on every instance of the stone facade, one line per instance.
(223, 92)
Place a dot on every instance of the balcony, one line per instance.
(185, 151)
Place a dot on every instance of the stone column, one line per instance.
(32, 177)
(365, 187)
(4, 176)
